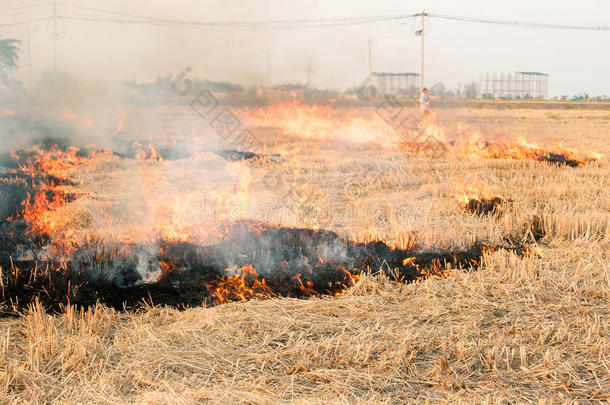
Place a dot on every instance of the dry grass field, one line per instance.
(519, 330)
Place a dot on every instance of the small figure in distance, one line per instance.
(424, 104)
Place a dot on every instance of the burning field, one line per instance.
(71, 235)
(59, 249)
(336, 254)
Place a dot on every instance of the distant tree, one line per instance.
(470, 90)
(9, 56)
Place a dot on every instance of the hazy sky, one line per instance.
(455, 51)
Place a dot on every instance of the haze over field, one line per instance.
(456, 52)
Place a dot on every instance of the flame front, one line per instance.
(191, 202)
(403, 131)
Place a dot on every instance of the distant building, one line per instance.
(514, 85)
(396, 84)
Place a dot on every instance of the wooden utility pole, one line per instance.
(421, 67)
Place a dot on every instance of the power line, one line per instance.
(140, 19)
(117, 17)
(248, 24)
(28, 7)
(312, 23)
(24, 22)
(525, 24)
(321, 23)
(119, 13)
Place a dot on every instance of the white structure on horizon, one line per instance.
(395, 84)
(515, 85)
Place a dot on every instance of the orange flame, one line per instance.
(408, 133)
(181, 216)
(148, 152)
(473, 191)
(322, 123)
(245, 284)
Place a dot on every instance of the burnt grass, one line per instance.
(286, 258)
(289, 262)
(561, 160)
(484, 206)
(185, 151)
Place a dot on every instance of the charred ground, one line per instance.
(254, 260)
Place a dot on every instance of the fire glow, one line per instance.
(154, 244)
(410, 135)
(46, 254)
(478, 199)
